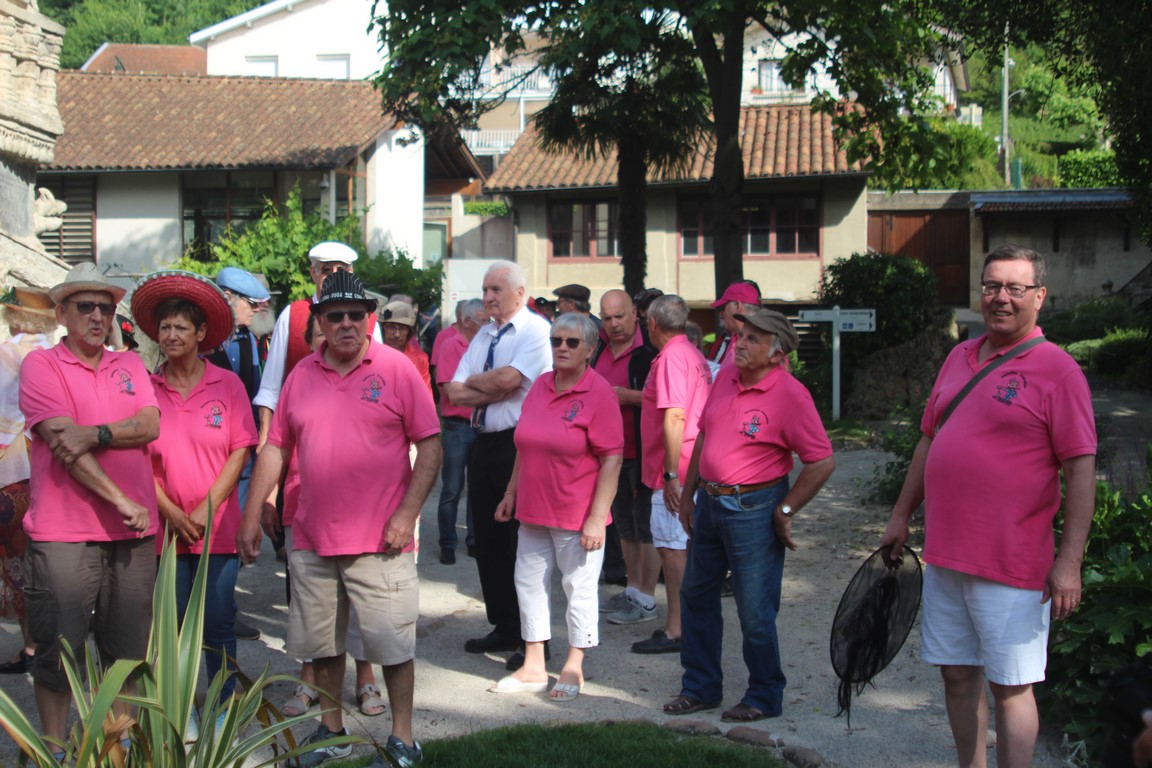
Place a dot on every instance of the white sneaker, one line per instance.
(632, 613)
(324, 754)
(617, 602)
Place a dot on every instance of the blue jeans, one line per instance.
(457, 436)
(219, 610)
(734, 533)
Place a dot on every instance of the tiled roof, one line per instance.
(1051, 201)
(148, 59)
(777, 142)
(151, 122)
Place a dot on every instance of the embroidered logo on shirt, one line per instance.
(754, 421)
(1009, 389)
(124, 382)
(213, 412)
(573, 411)
(372, 389)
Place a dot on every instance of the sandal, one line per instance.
(686, 705)
(742, 713)
(302, 700)
(565, 691)
(371, 702)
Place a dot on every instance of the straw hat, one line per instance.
(86, 277)
(158, 287)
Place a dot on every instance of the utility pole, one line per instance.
(1005, 96)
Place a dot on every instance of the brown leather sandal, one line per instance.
(686, 705)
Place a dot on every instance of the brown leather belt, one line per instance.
(716, 489)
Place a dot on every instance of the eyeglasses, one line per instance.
(88, 307)
(569, 342)
(355, 315)
(1015, 290)
(253, 302)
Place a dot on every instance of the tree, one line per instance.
(648, 103)
(1105, 48)
(874, 50)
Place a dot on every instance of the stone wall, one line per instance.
(29, 126)
(901, 375)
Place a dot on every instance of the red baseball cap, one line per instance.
(742, 292)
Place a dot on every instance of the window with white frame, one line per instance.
(771, 82)
(333, 66)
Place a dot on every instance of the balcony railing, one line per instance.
(490, 142)
(517, 79)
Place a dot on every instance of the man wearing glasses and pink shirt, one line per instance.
(92, 518)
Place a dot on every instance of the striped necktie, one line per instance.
(481, 411)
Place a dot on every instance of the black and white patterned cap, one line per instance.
(343, 286)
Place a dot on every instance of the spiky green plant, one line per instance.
(165, 696)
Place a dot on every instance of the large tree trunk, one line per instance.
(632, 185)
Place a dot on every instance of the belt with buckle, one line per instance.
(717, 489)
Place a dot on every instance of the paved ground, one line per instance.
(899, 722)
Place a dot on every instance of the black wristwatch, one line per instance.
(103, 436)
(671, 476)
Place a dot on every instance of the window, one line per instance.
(261, 66)
(333, 66)
(215, 202)
(771, 82)
(770, 226)
(75, 240)
(583, 229)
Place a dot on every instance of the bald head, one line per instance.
(619, 316)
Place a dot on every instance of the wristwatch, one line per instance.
(786, 510)
(103, 436)
(671, 476)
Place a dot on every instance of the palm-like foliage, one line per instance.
(647, 101)
(166, 691)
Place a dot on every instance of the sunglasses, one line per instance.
(355, 315)
(87, 307)
(557, 341)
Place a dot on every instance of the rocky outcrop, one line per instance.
(901, 375)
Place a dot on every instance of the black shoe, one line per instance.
(493, 641)
(18, 666)
(472, 550)
(245, 632)
(516, 660)
(658, 643)
(447, 557)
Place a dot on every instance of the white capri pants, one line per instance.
(539, 552)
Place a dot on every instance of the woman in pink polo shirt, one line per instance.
(569, 444)
(206, 432)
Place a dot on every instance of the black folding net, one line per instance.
(873, 620)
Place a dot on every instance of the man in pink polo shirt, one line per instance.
(91, 556)
(624, 360)
(989, 479)
(673, 397)
(350, 411)
(458, 433)
(741, 297)
(756, 417)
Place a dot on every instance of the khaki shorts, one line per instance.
(383, 589)
(71, 587)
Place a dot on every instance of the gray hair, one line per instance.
(1019, 253)
(669, 312)
(581, 324)
(515, 274)
(473, 308)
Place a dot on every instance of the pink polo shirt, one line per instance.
(614, 369)
(197, 435)
(441, 339)
(992, 481)
(679, 378)
(560, 440)
(348, 493)
(53, 383)
(446, 358)
(752, 432)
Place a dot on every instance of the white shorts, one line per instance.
(666, 529)
(974, 622)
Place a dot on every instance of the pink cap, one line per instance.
(742, 292)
